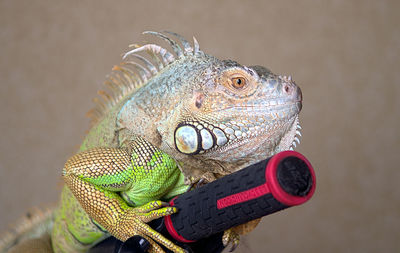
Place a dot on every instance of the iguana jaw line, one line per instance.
(287, 142)
(289, 137)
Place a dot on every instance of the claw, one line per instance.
(234, 246)
(196, 184)
(230, 236)
(164, 204)
(201, 182)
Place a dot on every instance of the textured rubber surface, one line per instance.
(284, 180)
(199, 216)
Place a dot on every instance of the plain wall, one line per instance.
(344, 55)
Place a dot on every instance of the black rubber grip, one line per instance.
(258, 190)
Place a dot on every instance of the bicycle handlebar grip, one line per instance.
(284, 180)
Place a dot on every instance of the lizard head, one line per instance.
(217, 115)
(238, 115)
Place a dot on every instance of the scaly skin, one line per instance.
(108, 182)
(178, 119)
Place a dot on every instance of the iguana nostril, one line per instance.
(287, 88)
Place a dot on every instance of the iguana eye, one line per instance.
(238, 82)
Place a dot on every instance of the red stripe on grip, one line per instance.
(243, 196)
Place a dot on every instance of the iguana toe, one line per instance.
(231, 237)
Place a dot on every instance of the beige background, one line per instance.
(344, 55)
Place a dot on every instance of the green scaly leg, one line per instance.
(99, 177)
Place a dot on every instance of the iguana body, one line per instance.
(174, 120)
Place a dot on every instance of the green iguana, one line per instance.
(175, 118)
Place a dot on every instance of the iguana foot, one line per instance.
(230, 237)
(197, 181)
(197, 184)
(134, 223)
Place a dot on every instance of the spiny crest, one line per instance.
(135, 70)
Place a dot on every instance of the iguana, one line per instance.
(173, 118)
